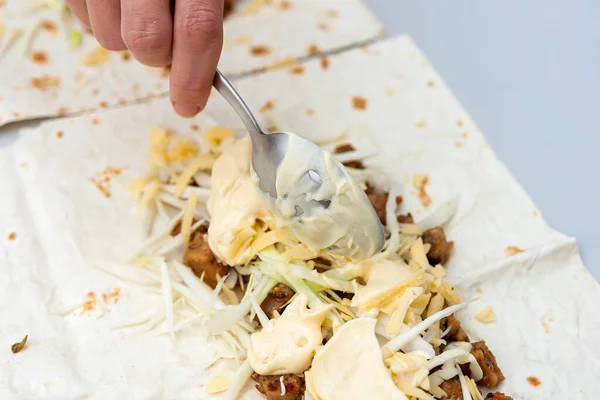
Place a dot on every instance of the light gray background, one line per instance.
(528, 71)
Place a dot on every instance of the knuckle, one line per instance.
(183, 90)
(111, 43)
(146, 36)
(201, 25)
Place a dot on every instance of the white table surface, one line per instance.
(529, 74)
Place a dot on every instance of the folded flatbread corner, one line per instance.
(74, 247)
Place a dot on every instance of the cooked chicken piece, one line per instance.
(497, 396)
(356, 164)
(270, 385)
(276, 299)
(456, 333)
(453, 389)
(406, 219)
(344, 148)
(200, 258)
(440, 247)
(379, 201)
(492, 375)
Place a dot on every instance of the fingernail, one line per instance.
(186, 110)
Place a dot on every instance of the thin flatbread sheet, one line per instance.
(505, 256)
(48, 71)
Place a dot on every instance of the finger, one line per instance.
(147, 30)
(79, 8)
(105, 17)
(197, 43)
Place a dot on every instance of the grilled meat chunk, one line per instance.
(497, 396)
(440, 247)
(270, 385)
(492, 375)
(200, 258)
(276, 299)
(453, 389)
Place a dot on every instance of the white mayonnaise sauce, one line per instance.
(234, 205)
(350, 366)
(288, 345)
(331, 212)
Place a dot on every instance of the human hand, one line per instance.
(186, 34)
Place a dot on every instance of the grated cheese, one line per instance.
(96, 57)
(486, 315)
(188, 219)
(217, 385)
(216, 135)
(139, 184)
(150, 192)
(418, 254)
(204, 161)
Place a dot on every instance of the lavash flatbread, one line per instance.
(41, 76)
(543, 297)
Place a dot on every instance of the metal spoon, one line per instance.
(316, 176)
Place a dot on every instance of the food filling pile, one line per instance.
(300, 320)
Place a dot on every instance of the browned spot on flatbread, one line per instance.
(12, 236)
(95, 121)
(126, 55)
(95, 92)
(267, 106)
(2, 3)
(389, 92)
(420, 182)
(312, 49)
(310, 111)
(40, 57)
(398, 76)
(16, 115)
(464, 135)
(45, 82)
(324, 27)
(284, 5)
(512, 250)
(121, 100)
(359, 103)
(62, 110)
(60, 134)
(420, 124)
(102, 180)
(534, 381)
(259, 50)
(103, 104)
(459, 123)
(113, 296)
(365, 49)
(324, 62)
(458, 144)
(166, 71)
(195, 127)
(297, 70)
(333, 13)
(431, 84)
(49, 27)
(544, 320)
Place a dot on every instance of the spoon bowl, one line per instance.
(308, 189)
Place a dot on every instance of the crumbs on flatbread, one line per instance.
(19, 346)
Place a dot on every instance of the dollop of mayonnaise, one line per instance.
(234, 205)
(350, 366)
(288, 345)
(327, 212)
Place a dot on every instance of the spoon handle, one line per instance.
(224, 87)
